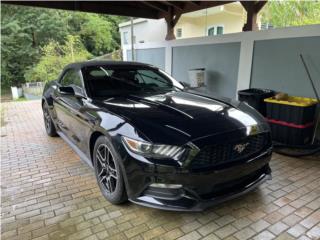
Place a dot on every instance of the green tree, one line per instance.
(114, 21)
(99, 33)
(16, 52)
(291, 13)
(24, 31)
(55, 57)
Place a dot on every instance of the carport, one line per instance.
(48, 193)
(170, 10)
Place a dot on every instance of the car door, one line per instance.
(74, 122)
(81, 121)
(60, 102)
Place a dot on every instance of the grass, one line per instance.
(22, 99)
(5, 94)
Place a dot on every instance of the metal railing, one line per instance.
(33, 90)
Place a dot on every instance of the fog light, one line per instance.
(165, 185)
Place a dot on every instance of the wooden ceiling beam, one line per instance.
(131, 9)
(191, 6)
(177, 5)
(252, 8)
(245, 4)
(156, 5)
(259, 5)
(142, 9)
(196, 3)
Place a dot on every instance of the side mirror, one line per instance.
(79, 94)
(66, 91)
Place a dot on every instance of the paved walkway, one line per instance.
(48, 193)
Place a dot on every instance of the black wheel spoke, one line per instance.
(109, 185)
(107, 158)
(100, 156)
(102, 170)
(103, 178)
(106, 172)
(113, 172)
(100, 159)
(47, 119)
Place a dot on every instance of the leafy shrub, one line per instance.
(55, 57)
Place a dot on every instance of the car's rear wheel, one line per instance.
(48, 123)
(108, 171)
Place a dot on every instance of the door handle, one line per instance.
(56, 98)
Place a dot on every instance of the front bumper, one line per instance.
(199, 190)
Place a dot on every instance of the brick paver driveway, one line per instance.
(48, 193)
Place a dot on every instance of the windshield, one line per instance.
(105, 81)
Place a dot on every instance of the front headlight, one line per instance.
(153, 150)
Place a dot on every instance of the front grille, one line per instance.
(222, 153)
(235, 185)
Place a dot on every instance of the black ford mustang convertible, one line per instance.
(153, 141)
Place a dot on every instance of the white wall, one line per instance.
(230, 16)
(147, 30)
(196, 26)
(246, 39)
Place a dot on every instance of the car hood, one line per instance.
(178, 117)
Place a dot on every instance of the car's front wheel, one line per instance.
(48, 123)
(108, 171)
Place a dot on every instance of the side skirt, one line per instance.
(74, 147)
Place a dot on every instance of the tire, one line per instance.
(48, 123)
(108, 171)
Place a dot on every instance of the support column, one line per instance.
(245, 64)
(251, 24)
(168, 59)
(252, 8)
(170, 31)
(171, 20)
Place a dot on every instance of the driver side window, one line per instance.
(67, 78)
(72, 79)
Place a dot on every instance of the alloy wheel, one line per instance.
(47, 118)
(107, 172)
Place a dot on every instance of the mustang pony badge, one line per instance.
(240, 147)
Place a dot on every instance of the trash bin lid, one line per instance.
(255, 91)
(293, 101)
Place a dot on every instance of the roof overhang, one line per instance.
(169, 10)
(141, 9)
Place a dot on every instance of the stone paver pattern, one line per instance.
(48, 193)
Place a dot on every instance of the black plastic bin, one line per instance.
(255, 98)
(297, 110)
(291, 119)
(291, 135)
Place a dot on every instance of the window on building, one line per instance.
(179, 32)
(125, 38)
(219, 30)
(211, 31)
(215, 30)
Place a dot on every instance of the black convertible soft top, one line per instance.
(93, 63)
